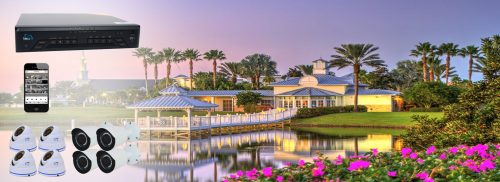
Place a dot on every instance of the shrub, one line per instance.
(459, 163)
(249, 100)
(431, 94)
(423, 109)
(319, 111)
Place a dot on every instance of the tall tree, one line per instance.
(423, 49)
(155, 59)
(306, 69)
(191, 55)
(214, 55)
(406, 74)
(434, 63)
(143, 52)
(449, 50)
(473, 53)
(257, 65)
(292, 72)
(231, 69)
(356, 55)
(490, 49)
(170, 55)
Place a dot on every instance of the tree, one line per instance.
(431, 94)
(423, 49)
(191, 55)
(204, 81)
(448, 49)
(143, 52)
(256, 65)
(473, 53)
(406, 73)
(249, 100)
(479, 65)
(170, 55)
(231, 69)
(434, 64)
(356, 55)
(293, 72)
(380, 78)
(214, 55)
(155, 59)
(306, 69)
(490, 49)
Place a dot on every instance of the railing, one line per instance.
(216, 121)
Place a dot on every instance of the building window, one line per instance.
(320, 103)
(266, 102)
(227, 105)
(313, 103)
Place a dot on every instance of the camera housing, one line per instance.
(84, 137)
(22, 139)
(52, 164)
(22, 164)
(108, 161)
(85, 161)
(109, 136)
(52, 139)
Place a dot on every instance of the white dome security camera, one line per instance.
(85, 161)
(52, 139)
(52, 164)
(23, 164)
(84, 137)
(109, 136)
(22, 139)
(108, 161)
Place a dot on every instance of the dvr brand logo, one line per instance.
(27, 37)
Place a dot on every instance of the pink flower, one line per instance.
(422, 175)
(430, 150)
(392, 173)
(301, 163)
(420, 161)
(486, 165)
(405, 152)
(315, 159)
(225, 180)
(288, 164)
(338, 161)
(268, 172)
(374, 151)
(317, 172)
(279, 178)
(442, 156)
(453, 150)
(252, 174)
(232, 176)
(452, 167)
(413, 155)
(239, 173)
(428, 180)
(359, 164)
(319, 164)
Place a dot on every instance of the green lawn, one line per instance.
(94, 113)
(350, 132)
(368, 119)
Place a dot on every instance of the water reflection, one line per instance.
(209, 158)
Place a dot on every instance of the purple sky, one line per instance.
(292, 32)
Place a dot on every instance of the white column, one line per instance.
(324, 102)
(189, 118)
(293, 102)
(309, 102)
(158, 114)
(232, 104)
(136, 114)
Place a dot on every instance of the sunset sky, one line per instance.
(292, 32)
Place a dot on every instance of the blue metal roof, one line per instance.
(171, 102)
(322, 80)
(309, 91)
(173, 90)
(372, 92)
(265, 93)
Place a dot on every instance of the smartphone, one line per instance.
(36, 87)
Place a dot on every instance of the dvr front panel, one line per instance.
(31, 39)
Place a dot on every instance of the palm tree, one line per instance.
(214, 55)
(479, 65)
(231, 69)
(169, 55)
(448, 49)
(474, 53)
(356, 55)
(306, 69)
(155, 59)
(256, 65)
(434, 64)
(423, 49)
(191, 55)
(143, 52)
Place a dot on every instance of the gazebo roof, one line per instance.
(172, 102)
(173, 90)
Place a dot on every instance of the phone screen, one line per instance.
(36, 86)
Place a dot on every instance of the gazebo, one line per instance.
(172, 98)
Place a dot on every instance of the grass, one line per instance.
(367, 119)
(100, 113)
(350, 132)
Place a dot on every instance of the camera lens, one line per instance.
(105, 162)
(82, 162)
(80, 139)
(105, 139)
(19, 131)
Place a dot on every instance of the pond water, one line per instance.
(210, 158)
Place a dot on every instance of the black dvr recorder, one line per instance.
(56, 32)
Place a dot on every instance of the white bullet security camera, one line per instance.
(109, 136)
(108, 161)
(85, 161)
(84, 137)
(22, 139)
(52, 164)
(23, 164)
(52, 139)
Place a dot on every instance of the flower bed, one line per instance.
(460, 163)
